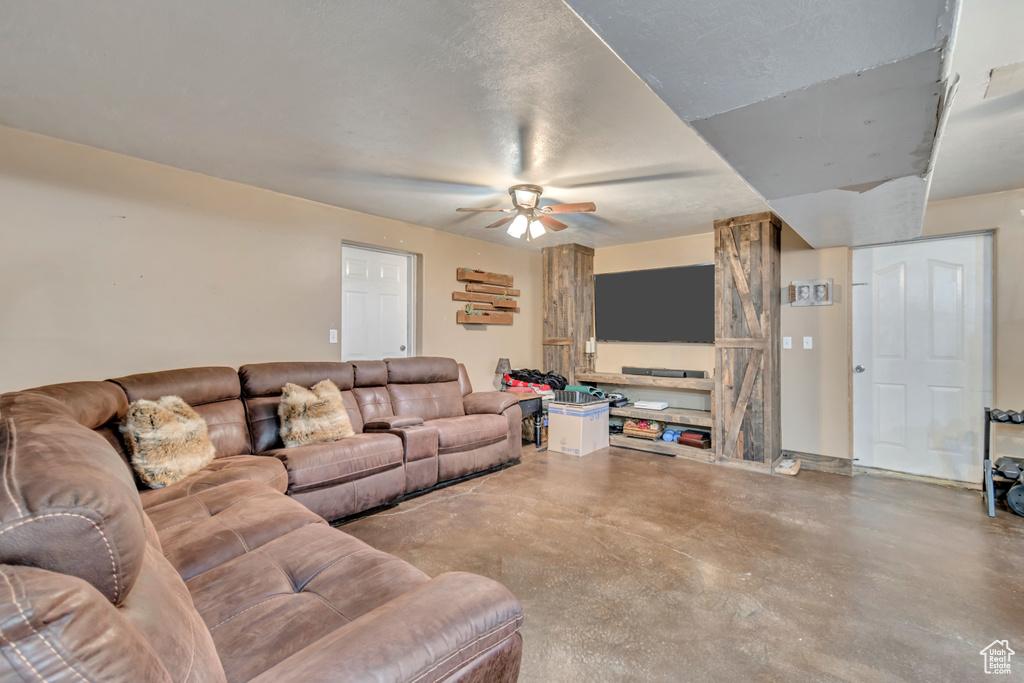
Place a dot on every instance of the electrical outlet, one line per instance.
(334, 336)
(808, 342)
(787, 342)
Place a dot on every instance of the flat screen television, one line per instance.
(675, 305)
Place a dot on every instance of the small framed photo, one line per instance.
(810, 292)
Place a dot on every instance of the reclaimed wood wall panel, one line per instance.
(568, 291)
(747, 300)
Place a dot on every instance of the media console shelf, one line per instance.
(680, 416)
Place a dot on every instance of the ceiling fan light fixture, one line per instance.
(518, 226)
(526, 196)
(536, 229)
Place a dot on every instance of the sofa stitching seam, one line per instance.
(245, 546)
(12, 443)
(469, 644)
(24, 617)
(265, 600)
(229, 506)
(110, 550)
(329, 565)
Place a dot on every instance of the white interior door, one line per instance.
(921, 354)
(375, 304)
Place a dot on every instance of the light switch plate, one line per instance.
(808, 342)
(334, 336)
(787, 342)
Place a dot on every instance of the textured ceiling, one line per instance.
(405, 110)
(827, 108)
(802, 98)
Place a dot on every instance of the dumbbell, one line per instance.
(1000, 415)
(1015, 499)
(1015, 416)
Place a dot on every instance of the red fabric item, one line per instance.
(519, 383)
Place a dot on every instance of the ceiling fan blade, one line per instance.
(503, 221)
(579, 207)
(480, 210)
(550, 223)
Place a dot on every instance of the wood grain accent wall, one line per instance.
(568, 295)
(747, 344)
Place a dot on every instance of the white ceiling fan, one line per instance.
(531, 219)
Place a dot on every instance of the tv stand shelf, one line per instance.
(680, 416)
(691, 383)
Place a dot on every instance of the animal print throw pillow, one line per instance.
(166, 439)
(313, 415)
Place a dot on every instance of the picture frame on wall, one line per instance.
(811, 292)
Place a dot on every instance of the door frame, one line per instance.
(988, 342)
(413, 285)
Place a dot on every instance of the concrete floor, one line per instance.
(639, 567)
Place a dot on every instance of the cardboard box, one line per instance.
(577, 429)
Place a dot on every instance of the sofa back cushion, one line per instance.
(464, 383)
(214, 393)
(262, 384)
(99, 406)
(371, 391)
(70, 505)
(425, 386)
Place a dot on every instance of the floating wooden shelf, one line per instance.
(466, 275)
(501, 318)
(491, 289)
(470, 296)
(692, 383)
(506, 304)
(683, 416)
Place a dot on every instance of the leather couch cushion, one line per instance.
(266, 379)
(257, 468)
(370, 373)
(160, 608)
(213, 392)
(373, 402)
(209, 528)
(195, 385)
(263, 607)
(456, 627)
(47, 613)
(429, 401)
(421, 370)
(91, 404)
(456, 434)
(317, 465)
(70, 504)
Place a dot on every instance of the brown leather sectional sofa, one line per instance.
(221, 576)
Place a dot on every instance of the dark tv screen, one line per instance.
(660, 305)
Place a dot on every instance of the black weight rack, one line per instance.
(992, 476)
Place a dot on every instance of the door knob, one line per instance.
(859, 368)
(402, 348)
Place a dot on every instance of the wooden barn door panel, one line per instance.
(747, 290)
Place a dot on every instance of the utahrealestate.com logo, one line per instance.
(997, 657)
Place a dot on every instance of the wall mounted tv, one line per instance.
(661, 305)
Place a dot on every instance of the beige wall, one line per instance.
(815, 382)
(815, 388)
(111, 265)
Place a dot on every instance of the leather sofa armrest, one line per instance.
(424, 635)
(386, 422)
(489, 402)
